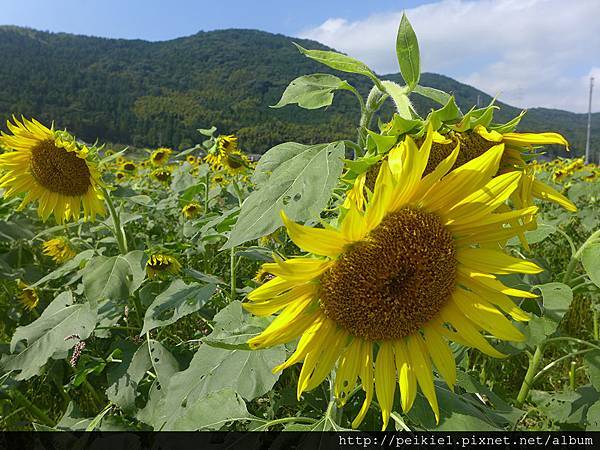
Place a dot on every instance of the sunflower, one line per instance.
(52, 169)
(160, 156)
(225, 144)
(219, 180)
(235, 162)
(28, 297)
(128, 166)
(192, 160)
(163, 174)
(120, 175)
(59, 249)
(191, 210)
(160, 266)
(395, 282)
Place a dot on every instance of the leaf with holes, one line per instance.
(247, 372)
(46, 336)
(301, 186)
(177, 301)
(123, 378)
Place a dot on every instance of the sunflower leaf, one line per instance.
(311, 91)
(407, 50)
(115, 277)
(177, 301)
(301, 186)
(46, 336)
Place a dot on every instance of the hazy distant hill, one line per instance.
(158, 93)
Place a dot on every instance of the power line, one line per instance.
(589, 124)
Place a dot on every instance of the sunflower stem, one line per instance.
(232, 267)
(207, 182)
(534, 363)
(36, 412)
(595, 319)
(117, 228)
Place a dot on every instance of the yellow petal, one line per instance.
(494, 261)
(422, 366)
(441, 355)
(527, 139)
(347, 373)
(273, 305)
(545, 192)
(298, 269)
(406, 376)
(385, 380)
(366, 378)
(485, 315)
(315, 240)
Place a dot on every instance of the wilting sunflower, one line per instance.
(28, 296)
(160, 266)
(59, 249)
(225, 144)
(160, 156)
(191, 210)
(393, 284)
(163, 174)
(235, 162)
(50, 167)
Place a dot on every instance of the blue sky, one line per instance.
(527, 52)
(163, 19)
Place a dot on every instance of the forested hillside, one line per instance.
(158, 93)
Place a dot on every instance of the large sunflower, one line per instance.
(394, 283)
(52, 169)
(160, 156)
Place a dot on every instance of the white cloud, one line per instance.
(532, 52)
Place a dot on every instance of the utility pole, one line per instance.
(589, 125)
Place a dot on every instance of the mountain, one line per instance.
(158, 93)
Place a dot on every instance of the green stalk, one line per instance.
(238, 192)
(534, 361)
(595, 318)
(207, 182)
(572, 375)
(40, 415)
(118, 229)
(232, 271)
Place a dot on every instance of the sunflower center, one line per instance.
(472, 145)
(233, 162)
(396, 280)
(59, 170)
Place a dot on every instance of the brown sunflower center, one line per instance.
(233, 162)
(59, 170)
(472, 145)
(396, 280)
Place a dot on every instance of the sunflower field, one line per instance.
(431, 272)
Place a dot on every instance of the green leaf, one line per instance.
(210, 412)
(273, 158)
(177, 301)
(165, 366)
(46, 336)
(448, 113)
(593, 417)
(311, 91)
(407, 50)
(399, 96)
(534, 236)
(123, 378)
(66, 268)
(590, 258)
(340, 62)
(557, 298)
(592, 362)
(436, 95)
(301, 186)
(383, 143)
(115, 277)
(566, 407)
(246, 372)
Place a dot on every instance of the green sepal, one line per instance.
(381, 143)
(509, 126)
(399, 125)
